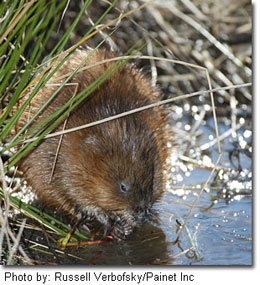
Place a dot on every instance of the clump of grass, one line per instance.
(26, 29)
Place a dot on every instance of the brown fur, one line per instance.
(95, 162)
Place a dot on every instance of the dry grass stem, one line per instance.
(221, 137)
(197, 198)
(16, 20)
(16, 243)
(61, 137)
(224, 49)
(167, 101)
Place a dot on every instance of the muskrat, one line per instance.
(112, 172)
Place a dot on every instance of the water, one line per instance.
(223, 234)
(219, 230)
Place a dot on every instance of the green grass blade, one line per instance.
(37, 50)
(3, 11)
(66, 109)
(60, 45)
(42, 217)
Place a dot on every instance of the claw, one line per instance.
(121, 230)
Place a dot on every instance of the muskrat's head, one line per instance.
(121, 169)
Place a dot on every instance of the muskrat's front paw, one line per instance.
(121, 230)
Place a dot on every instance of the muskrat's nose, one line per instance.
(142, 213)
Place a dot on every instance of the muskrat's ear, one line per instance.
(124, 187)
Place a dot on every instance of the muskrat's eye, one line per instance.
(124, 187)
